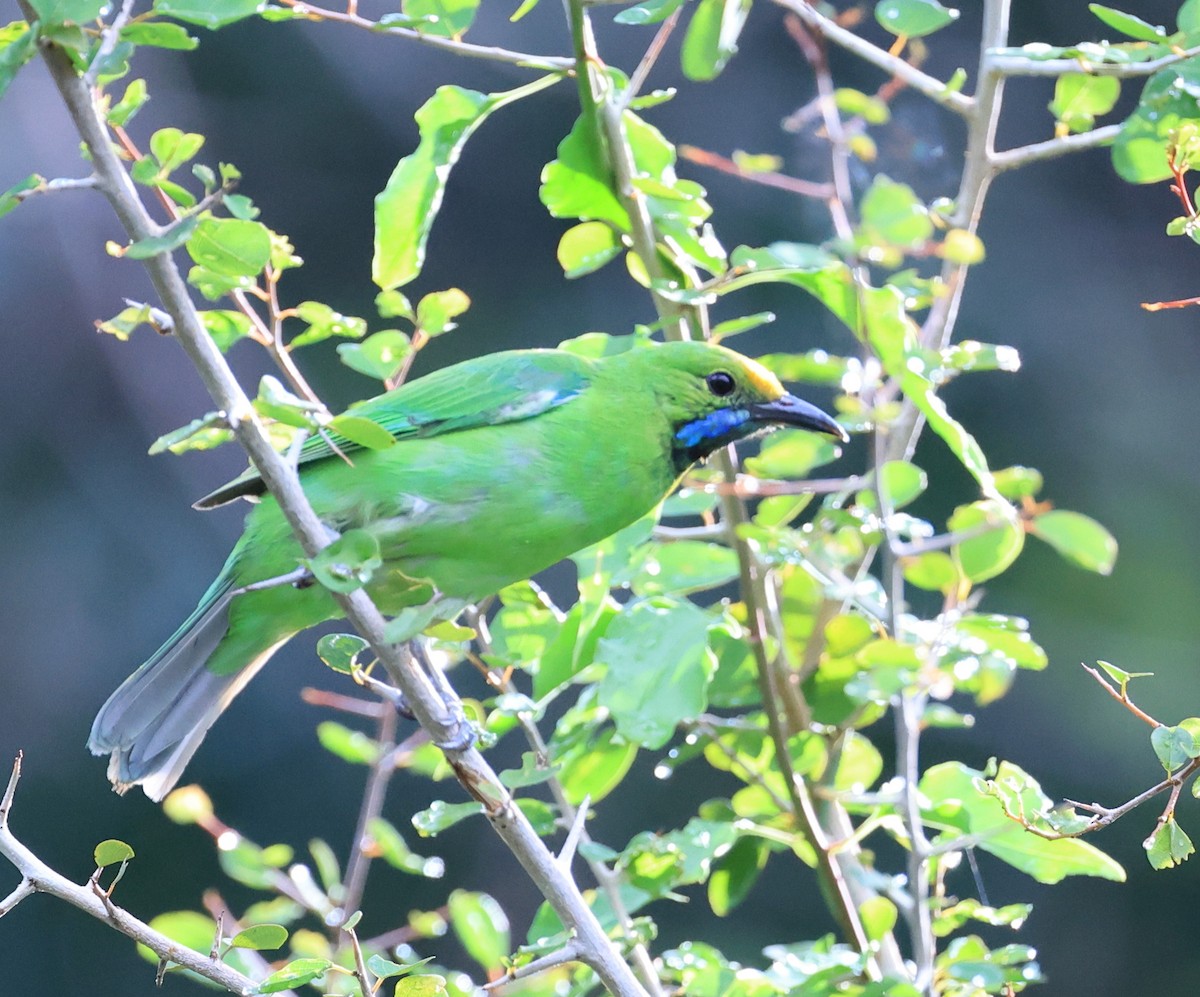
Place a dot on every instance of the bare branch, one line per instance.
(38, 877)
(568, 953)
(553, 64)
(893, 65)
(1009, 63)
(793, 185)
(1039, 152)
(1121, 697)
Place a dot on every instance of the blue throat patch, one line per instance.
(716, 425)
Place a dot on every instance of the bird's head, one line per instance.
(713, 396)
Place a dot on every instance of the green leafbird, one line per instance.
(502, 466)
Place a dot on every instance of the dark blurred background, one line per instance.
(103, 557)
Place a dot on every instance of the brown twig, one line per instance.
(768, 178)
(1121, 697)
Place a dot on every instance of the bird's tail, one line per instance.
(153, 724)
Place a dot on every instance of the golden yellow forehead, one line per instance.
(762, 380)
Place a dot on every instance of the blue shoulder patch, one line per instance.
(714, 426)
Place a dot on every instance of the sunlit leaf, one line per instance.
(409, 203)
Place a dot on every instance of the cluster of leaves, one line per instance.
(656, 654)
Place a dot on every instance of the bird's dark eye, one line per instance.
(720, 383)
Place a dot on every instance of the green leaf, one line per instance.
(934, 571)
(987, 555)
(110, 852)
(587, 247)
(349, 745)
(446, 18)
(1120, 676)
(324, 322)
(260, 937)
(407, 206)
(158, 34)
(441, 815)
(878, 916)
(380, 356)
(348, 563)
(659, 666)
(684, 566)
(913, 18)
(295, 974)
(893, 214)
(1128, 24)
(856, 104)
(578, 184)
(791, 453)
(388, 843)
(340, 651)
(1168, 846)
(225, 326)
(362, 431)
(188, 805)
(531, 773)
(901, 482)
(481, 926)
(172, 148)
(1078, 538)
(189, 928)
(385, 968)
(712, 37)
(426, 985)
(962, 801)
(1018, 482)
(1174, 746)
(436, 310)
(67, 11)
(736, 326)
(173, 238)
(230, 247)
(648, 12)
(210, 14)
(735, 873)
(1167, 102)
(17, 46)
(1080, 98)
(10, 198)
(594, 767)
(129, 318)
(208, 431)
(1188, 18)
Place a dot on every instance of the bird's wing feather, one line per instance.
(495, 389)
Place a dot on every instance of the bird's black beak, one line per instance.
(788, 410)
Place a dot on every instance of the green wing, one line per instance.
(487, 391)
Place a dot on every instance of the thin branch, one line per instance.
(38, 877)
(108, 41)
(441, 719)
(1121, 697)
(57, 184)
(566, 854)
(372, 806)
(893, 65)
(793, 185)
(492, 53)
(748, 486)
(568, 953)
(1039, 152)
(23, 889)
(653, 51)
(1010, 64)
